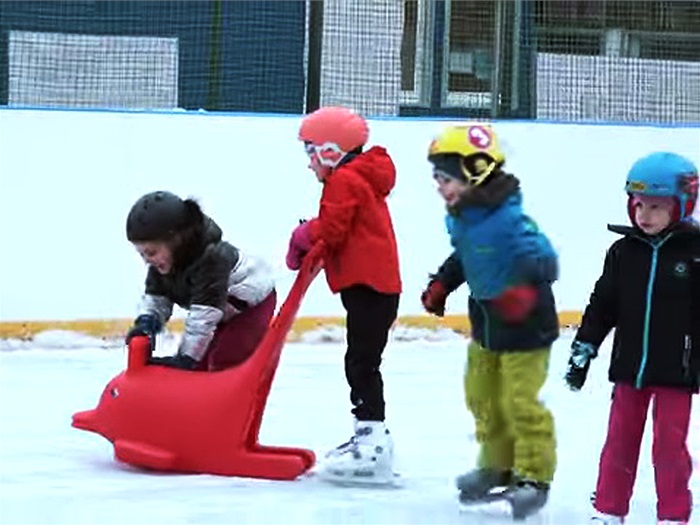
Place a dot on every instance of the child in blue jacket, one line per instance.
(509, 266)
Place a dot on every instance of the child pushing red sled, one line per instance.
(173, 420)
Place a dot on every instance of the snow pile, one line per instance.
(73, 340)
(411, 333)
(168, 342)
(400, 333)
(59, 339)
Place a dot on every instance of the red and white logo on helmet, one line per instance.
(479, 137)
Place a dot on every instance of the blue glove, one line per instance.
(181, 361)
(145, 325)
(579, 363)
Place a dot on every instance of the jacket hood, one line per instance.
(212, 231)
(376, 167)
(196, 240)
(489, 195)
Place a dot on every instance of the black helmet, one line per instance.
(156, 216)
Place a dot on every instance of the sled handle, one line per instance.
(138, 353)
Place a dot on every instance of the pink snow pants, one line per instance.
(670, 455)
(236, 340)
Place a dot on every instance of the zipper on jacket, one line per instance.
(647, 313)
(687, 347)
(487, 335)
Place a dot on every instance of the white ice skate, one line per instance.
(367, 459)
(600, 518)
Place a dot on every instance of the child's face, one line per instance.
(653, 215)
(321, 172)
(157, 254)
(450, 189)
(315, 165)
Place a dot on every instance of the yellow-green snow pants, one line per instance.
(513, 428)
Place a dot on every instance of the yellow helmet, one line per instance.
(475, 143)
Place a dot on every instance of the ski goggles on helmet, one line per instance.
(327, 155)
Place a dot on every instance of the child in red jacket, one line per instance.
(362, 265)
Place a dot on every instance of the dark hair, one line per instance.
(188, 241)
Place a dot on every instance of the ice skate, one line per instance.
(600, 518)
(526, 498)
(672, 522)
(366, 459)
(483, 484)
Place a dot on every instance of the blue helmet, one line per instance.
(665, 174)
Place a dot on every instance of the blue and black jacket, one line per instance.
(497, 246)
(649, 292)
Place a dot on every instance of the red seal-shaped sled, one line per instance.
(167, 419)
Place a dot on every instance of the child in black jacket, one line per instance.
(649, 293)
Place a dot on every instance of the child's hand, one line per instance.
(299, 245)
(516, 303)
(434, 297)
(579, 363)
(576, 375)
(147, 325)
(181, 361)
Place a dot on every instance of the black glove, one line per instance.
(182, 361)
(579, 363)
(145, 325)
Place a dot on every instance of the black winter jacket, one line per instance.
(649, 293)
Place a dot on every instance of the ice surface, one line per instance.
(51, 473)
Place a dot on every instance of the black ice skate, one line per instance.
(526, 498)
(483, 485)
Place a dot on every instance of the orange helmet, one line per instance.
(332, 132)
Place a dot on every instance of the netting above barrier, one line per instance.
(210, 54)
(618, 61)
(64, 70)
(574, 60)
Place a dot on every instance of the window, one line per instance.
(663, 30)
(680, 47)
(416, 52)
(469, 50)
(572, 14)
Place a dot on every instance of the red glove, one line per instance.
(299, 245)
(434, 297)
(516, 303)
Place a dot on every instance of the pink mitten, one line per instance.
(299, 245)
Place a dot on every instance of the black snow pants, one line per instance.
(370, 315)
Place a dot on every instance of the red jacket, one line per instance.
(355, 224)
